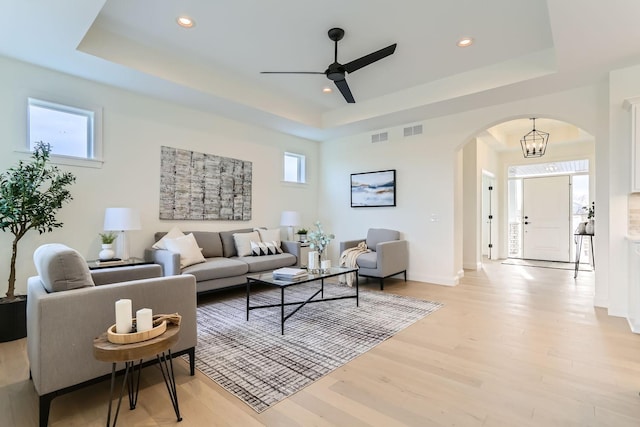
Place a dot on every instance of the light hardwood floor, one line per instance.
(512, 346)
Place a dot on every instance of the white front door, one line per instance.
(546, 218)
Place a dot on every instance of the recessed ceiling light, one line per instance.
(185, 22)
(327, 89)
(465, 42)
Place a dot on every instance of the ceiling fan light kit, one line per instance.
(336, 71)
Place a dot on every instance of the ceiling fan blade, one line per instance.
(344, 89)
(356, 64)
(291, 72)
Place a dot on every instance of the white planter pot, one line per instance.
(106, 252)
(590, 227)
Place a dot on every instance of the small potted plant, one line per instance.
(107, 246)
(302, 232)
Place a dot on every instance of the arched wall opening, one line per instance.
(486, 158)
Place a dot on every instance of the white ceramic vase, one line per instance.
(106, 252)
(590, 227)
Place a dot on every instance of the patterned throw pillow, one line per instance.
(274, 247)
(265, 248)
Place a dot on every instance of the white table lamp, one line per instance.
(290, 219)
(122, 220)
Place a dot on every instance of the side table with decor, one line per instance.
(115, 347)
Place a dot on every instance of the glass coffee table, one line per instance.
(267, 279)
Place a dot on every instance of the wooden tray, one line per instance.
(116, 338)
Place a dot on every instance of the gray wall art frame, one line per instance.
(373, 189)
(199, 186)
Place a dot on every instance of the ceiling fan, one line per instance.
(336, 71)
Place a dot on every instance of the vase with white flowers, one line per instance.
(319, 240)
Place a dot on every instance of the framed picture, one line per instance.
(373, 189)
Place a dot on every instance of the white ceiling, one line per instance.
(522, 48)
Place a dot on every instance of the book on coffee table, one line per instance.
(288, 273)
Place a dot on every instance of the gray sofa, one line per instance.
(223, 267)
(68, 306)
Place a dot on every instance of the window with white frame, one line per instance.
(71, 131)
(294, 168)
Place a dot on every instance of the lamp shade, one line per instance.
(121, 219)
(290, 218)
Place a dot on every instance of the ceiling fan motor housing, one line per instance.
(335, 71)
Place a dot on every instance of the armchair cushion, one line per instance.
(367, 260)
(61, 268)
(379, 235)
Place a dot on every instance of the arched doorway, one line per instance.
(495, 152)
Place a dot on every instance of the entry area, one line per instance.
(546, 203)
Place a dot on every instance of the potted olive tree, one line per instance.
(31, 193)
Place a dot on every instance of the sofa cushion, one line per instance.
(210, 243)
(270, 262)
(217, 268)
(175, 232)
(61, 268)
(228, 243)
(243, 242)
(367, 260)
(188, 249)
(380, 235)
(270, 235)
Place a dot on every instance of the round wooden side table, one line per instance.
(106, 351)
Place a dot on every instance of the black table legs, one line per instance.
(133, 385)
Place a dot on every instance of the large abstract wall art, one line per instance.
(200, 186)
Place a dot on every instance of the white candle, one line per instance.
(123, 316)
(144, 320)
(313, 256)
(325, 264)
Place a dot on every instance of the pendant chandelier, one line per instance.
(534, 144)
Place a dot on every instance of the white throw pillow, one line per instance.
(243, 242)
(188, 249)
(174, 233)
(271, 235)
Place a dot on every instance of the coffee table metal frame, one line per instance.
(267, 279)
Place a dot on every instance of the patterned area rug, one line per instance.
(260, 366)
(547, 264)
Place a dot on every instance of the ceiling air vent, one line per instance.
(413, 130)
(380, 137)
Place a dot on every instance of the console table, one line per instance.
(106, 351)
(577, 238)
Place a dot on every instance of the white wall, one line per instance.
(623, 84)
(134, 129)
(426, 168)
(472, 197)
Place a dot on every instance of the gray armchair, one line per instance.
(68, 305)
(389, 255)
